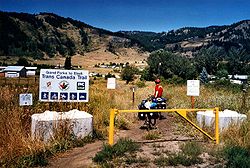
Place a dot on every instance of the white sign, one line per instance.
(193, 87)
(111, 83)
(25, 99)
(64, 85)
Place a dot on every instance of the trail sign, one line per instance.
(193, 87)
(111, 84)
(64, 85)
(25, 99)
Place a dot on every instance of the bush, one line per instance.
(237, 157)
(189, 155)
(119, 149)
(152, 135)
(128, 73)
(140, 84)
(176, 80)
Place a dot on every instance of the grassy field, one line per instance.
(18, 148)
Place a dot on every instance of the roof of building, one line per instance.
(14, 68)
(31, 68)
(242, 77)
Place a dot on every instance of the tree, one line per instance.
(67, 64)
(166, 64)
(209, 58)
(23, 62)
(222, 73)
(238, 60)
(204, 75)
(128, 73)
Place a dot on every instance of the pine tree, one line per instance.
(204, 75)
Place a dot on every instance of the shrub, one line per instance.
(237, 156)
(189, 155)
(119, 149)
(140, 84)
(151, 135)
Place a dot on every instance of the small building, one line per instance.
(31, 71)
(15, 71)
(238, 79)
(2, 70)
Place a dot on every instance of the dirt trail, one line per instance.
(77, 157)
(82, 157)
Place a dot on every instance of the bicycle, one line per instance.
(151, 117)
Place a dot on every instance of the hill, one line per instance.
(48, 35)
(191, 39)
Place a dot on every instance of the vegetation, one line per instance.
(23, 62)
(67, 64)
(119, 149)
(18, 148)
(128, 73)
(152, 135)
(189, 155)
(237, 156)
(166, 64)
(41, 40)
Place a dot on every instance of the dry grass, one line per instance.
(15, 121)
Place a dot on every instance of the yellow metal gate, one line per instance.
(181, 112)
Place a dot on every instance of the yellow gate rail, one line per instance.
(181, 112)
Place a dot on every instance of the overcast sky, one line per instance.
(142, 15)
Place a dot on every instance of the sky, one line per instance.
(140, 15)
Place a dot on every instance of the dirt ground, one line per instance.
(169, 141)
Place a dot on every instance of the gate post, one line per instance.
(217, 137)
(111, 126)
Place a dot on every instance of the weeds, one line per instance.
(140, 160)
(237, 157)
(17, 146)
(152, 135)
(189, 155)
(119, 149)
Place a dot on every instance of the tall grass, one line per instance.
(15, 121)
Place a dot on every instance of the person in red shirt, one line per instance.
(158, 93)
(158, 89)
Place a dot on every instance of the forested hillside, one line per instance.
(47, 34)
(193, 39)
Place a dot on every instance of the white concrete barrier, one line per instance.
(226, 117)
(44, 125)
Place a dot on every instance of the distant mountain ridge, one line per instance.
(47, 34)
(192, 38)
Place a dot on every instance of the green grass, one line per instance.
(189, 155)
(152, 135)
(117, 150)
(237, 157)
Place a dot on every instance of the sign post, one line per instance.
(193, 89)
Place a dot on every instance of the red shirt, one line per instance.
(158, 91)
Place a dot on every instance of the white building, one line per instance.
(31, 71)
(15, 71)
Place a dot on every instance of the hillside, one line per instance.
(47, 35)
(190, 39)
